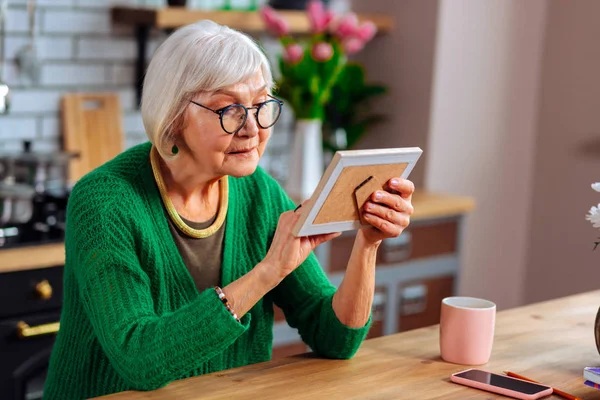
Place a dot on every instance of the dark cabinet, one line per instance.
(30, 306)
(30, 291)
(25, 353)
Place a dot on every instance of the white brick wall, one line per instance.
(34, 101)
(106, 49)
(133, 122)
(50, 127)
(80, 50)
(48, 48)
(53, 3)
(15, 128)
(107, 3)
(121, 74)
(76, 21)
(73, 74)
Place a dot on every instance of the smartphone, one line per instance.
(501, 384)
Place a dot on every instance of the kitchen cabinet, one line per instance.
(380, 304)
(421, 301)
(30, 307)
(420, 240)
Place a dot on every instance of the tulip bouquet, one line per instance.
(311, 67)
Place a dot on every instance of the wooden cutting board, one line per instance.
(92, 127)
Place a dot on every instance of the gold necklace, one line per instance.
(182, 226)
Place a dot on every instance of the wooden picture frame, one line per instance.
(352, 175)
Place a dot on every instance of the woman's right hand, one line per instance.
(287, 251)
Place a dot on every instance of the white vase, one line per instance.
(306, 163)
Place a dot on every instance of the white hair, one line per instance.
(200, 57)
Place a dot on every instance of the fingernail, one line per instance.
(378, 196)
(368, 206)
(395, 182)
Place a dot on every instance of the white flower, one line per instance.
(596, 186)
(594, 216)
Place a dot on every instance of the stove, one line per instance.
(46, 225)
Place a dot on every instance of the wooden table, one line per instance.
(551, 342)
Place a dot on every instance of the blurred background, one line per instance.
(501, 95)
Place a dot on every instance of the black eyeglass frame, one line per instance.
(223, 110)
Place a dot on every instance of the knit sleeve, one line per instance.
(306, 295)
(146, 349)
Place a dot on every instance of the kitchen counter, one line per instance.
(427, 206)
(32, 257)
(550, 342)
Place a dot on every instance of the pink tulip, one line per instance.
(322, 51)
(274, 22)
(366, 31)
(317, 16)
(353, 45)
(293, 53)
(280, 27)
(268, 14)
(347, 26)
(329, 18)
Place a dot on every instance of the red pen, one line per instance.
(556, 391)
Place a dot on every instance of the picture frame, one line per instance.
(350, 177)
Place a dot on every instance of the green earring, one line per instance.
(174, 149)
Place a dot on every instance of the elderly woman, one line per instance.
(177, 249)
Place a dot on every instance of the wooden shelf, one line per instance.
(247, 21)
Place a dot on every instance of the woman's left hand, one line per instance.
(388, 211)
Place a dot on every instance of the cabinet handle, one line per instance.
(413, 300)
(25, 331)
(44, 290)
(397, 249)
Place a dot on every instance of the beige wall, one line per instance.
(403, 60)
(504, 97)
(482, 134)
(567, 159)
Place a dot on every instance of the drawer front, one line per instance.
(24, 292)
(416, 242)
(421, 302)
(25, 347)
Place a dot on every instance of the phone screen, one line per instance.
(502, 381)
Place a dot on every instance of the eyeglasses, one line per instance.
(234, 116)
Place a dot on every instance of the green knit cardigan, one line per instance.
(132, 318)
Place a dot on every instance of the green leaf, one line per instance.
(314, 85)
(347, 105)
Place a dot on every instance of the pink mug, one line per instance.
(467, 330)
